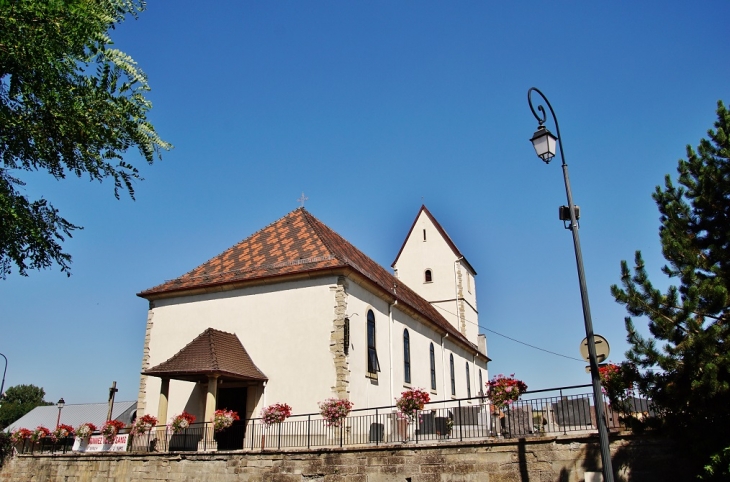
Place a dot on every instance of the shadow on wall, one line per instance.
(522, 456)
(639, 459)
(195, 403)
(631, 463)
(564, 475)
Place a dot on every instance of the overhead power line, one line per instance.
(513, 339)
(531, 346)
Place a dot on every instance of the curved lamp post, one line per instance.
(61, 403)
(545, 144)
(2, 385)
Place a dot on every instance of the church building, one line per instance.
(296, 314)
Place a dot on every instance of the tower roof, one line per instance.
(441, 231)
(297, 245)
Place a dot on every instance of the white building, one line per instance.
(297, 314)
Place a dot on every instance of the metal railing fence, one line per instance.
(458, 419)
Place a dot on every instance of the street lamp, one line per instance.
(544, 143)
(2, 385)
(60, 404)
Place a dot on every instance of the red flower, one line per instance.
(39, 433)
(411, 401)
(275, 413)
(110, 429)
(182, 421)
(62, 431)
(20, 434)
(144, 424)
(85, 430)
(222, 419)
(503, 390)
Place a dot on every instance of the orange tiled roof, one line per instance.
(213, 352)
(295, 244)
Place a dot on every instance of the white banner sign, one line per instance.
(96, 443)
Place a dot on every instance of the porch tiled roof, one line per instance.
(298, 243)
(213, 352)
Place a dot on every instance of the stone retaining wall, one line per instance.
(561, 459)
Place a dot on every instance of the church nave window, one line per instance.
(453, 377)
(433, 367)
(468, 382)
(346, 337)
(373, 365)
(406, 357)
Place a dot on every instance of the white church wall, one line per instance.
(421, 337)
(366, 391)
(461, 359)
(285, 328)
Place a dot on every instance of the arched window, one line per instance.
(468, 382)
(346, 337)
(433, 367)
(428, 276)
(373, 365)
(453, 377)
(406, 356)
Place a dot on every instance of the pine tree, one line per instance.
(685, 362)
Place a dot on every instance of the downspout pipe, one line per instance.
(443, 363)
(264, 393)
(390, 344)
(474, 375)
(456, 294)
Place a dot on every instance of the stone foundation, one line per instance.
(562, 459)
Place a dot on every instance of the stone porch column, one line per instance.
(162, 414)
(210, 398)
(162, 406)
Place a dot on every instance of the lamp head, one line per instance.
(61, 403)
(544, 143)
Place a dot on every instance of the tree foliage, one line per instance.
(686, 359)
(18, 401)
(6, 447)
(69, 104)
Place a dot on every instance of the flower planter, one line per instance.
(80, 444)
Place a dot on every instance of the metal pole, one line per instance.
(461, 423)
(112, 391)
(377, 428)
(2, 385)
(595, 378)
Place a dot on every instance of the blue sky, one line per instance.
(370, 108)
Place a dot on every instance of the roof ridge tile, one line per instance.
(213, 354)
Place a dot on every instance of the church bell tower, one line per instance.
(431, 265)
